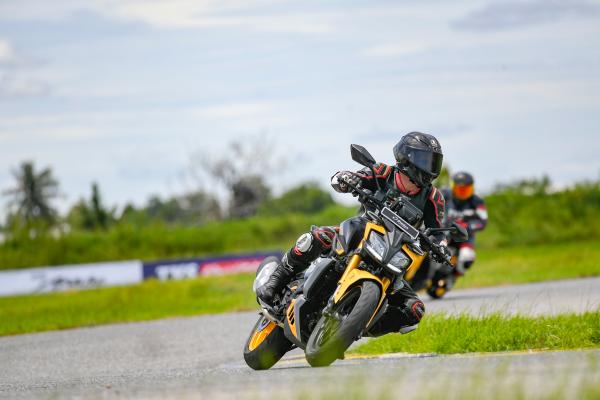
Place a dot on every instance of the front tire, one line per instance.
(265, 345)
(334, 334)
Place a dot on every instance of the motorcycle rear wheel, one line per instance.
(265, 345)
(334, 334)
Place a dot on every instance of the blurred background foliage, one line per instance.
(248, 217)
(527, 212)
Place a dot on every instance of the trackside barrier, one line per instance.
(190, 267)
(61, 278)
(88, 276)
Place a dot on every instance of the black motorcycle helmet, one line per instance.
(419, 156)
(463, 179)
(462, 185)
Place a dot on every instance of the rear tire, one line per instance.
(265, 345)
(331, 337)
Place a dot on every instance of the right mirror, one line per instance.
(459, 233)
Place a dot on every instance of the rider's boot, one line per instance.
(308, 247)
(278, 279)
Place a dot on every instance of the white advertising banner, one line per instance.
(82, 276)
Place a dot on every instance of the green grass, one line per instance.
(523, 264)
(154, 299)
(149, 300)
(491, 333)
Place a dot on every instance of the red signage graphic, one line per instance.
(218, 267)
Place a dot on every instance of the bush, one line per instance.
(525, 213)
(156, 241)
(529, 213)
(307, 198)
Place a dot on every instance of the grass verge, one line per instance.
(523, 264)
(492, 333)
(149, 300)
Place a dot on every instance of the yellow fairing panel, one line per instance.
(372, 227)
(290, 318)
(414, 266)
(259, 336)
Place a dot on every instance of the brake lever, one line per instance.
(434, 248)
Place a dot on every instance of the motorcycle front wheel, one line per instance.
(335, 332)
(265, 345)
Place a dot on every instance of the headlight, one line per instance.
(376, 246)
(398, 262)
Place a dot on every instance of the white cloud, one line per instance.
(173, 14)
(516, 14)
(239, 110)
(213, 14)
(242, 118)
(12, 85)
(396, 49)
(7, 54)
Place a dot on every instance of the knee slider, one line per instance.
(306, 250)
(415, 309)
(324, 236)
(304, 243)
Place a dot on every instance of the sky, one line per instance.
(130, 93)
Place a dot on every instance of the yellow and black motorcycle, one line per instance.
(340, 297)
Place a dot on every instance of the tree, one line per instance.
(30, 200)
(444, 179)
(241, 171)
(188, 209)
(90, 215)
(100, 214)
(306, 198)
(247, 194)
(199, 207)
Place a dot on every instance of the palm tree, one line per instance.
(32, 195)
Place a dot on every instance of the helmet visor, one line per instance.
(426, 161)
(462, 192)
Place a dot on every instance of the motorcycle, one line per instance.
(340, 297)
(434, 277)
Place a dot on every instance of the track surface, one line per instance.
(200, 357)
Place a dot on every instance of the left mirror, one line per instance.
(361, 155)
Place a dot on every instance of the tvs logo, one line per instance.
(177, 271)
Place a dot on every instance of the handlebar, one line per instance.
(364, 197)
(433, 247)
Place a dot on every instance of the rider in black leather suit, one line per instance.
(418, 162)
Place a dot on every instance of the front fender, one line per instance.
(355, 277)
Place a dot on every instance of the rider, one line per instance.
(418, 163)
(467, 209)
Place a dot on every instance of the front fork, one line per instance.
(351, 277)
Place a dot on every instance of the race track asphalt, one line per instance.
(201, 357)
